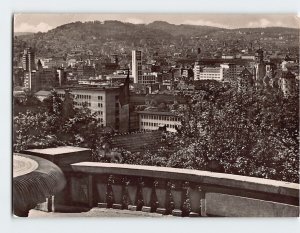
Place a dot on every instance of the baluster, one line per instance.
(90, 191)
(132, 191)
(101, 184)
(109, 192)
(169, 198)
(139, 195)
(195, 199)
(117, 187)
(154, 201)
(125, 195)
(202, 202)
(146, 192)
(161, 194)
(186, 203)
(177, 197)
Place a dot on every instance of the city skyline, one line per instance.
(155, 120)
(32, 22)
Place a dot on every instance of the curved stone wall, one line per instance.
(34, 180)
(181, 192)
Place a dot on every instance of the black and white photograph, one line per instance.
(155, 115)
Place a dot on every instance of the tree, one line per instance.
(252, 133)
(53, 127)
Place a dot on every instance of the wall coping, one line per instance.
(203, 177)
(57, 151)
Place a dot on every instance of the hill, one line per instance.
(114, 36)
(182, 29)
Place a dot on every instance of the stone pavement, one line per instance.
(95, 212)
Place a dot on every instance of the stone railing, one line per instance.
(180, 192)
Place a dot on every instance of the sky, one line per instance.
(32, 22)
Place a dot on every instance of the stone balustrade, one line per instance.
(180, 192)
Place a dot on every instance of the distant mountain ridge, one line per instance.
(95, 35)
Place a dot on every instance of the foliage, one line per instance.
(53, 128)
(252, 133)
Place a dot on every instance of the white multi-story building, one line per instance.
(208, 73)
(136, 65)
(149, 120)
(105, 101)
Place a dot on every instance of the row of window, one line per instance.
(163, 118)
(156, 124)
(210, 75)
(82, 104)
(83, 97)
(99, 113)
(100, 119)
(100, 98)
(100, 105)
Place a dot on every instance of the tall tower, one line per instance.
(136, 65)
(260, 67)
(198, 54)
(28, 60)
(259, 56)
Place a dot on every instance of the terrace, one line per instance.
(109, 189)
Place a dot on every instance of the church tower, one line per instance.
(260, 67)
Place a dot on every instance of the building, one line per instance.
(118, 78)
(231, 71)
(148, 78)
(44, 78)
(31, 81)
(245, 80)
(47, 79)
(248, 57)
(28, 60)
(62, 76)
(208, 73)
(53, 62)
(260, 66)
(197, 70)
(136, 65)
(111, 104)
(150, 120)
(28, 64)
(224, 56)
(287, 82)
(86, 71)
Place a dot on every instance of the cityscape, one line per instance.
(114, 118)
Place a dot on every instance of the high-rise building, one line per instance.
(28, 59)
(110, 104)
(31, 81)
(137, 65)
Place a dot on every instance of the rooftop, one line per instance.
(157, 113)
(89, 88)
(43, 93)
